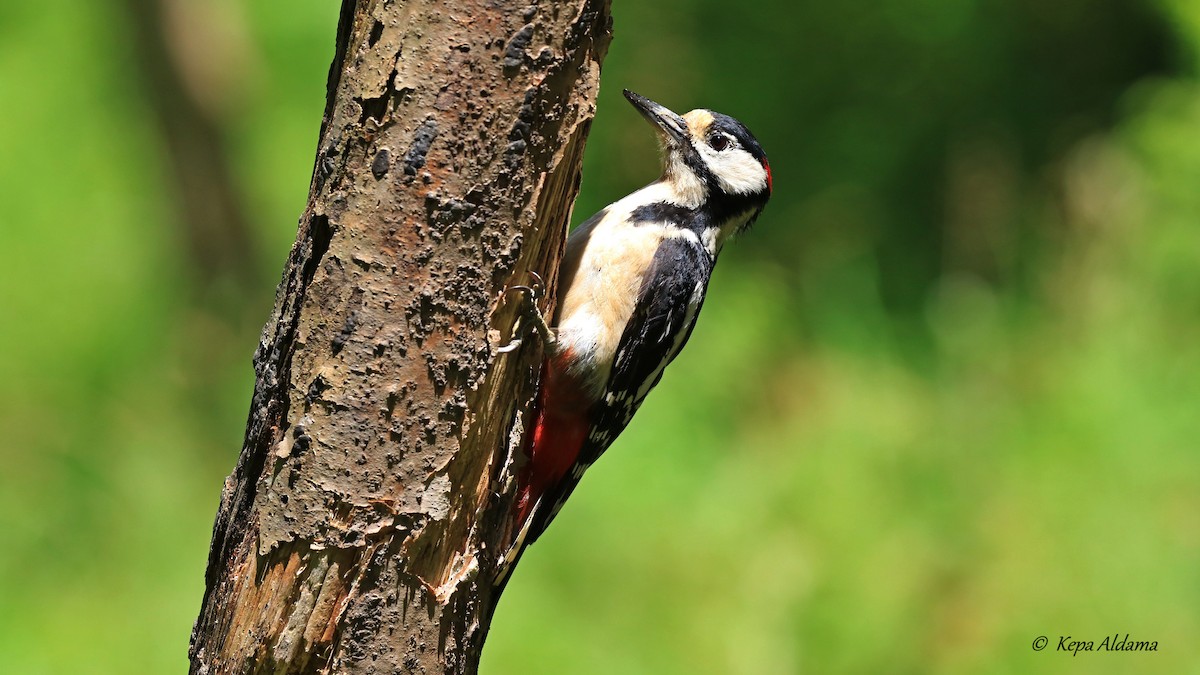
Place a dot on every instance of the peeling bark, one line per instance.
(359, 530)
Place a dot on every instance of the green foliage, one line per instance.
(941, 402)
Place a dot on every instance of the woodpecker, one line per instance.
(633, 280)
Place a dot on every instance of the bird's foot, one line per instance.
(530, 294)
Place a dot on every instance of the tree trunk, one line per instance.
(359, 530)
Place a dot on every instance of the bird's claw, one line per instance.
(529, 292)
(530, 295)
(538, 286)
(510, 347)
(533, 290)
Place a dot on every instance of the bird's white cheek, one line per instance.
(739, 173)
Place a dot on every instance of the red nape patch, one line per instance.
(767, 166)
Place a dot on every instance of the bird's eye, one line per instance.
(718, 142)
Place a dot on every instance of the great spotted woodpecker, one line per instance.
(632, 283)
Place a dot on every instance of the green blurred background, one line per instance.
(943, 398)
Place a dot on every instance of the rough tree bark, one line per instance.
(359, 529)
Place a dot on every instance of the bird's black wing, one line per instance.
(668, 304)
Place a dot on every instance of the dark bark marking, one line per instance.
(514, 56)
(381, 163)
(414, 159)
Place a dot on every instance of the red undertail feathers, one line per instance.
(559, 433)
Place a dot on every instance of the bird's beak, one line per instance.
(672, 125)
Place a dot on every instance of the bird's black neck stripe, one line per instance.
(666, 212)
(716, 211)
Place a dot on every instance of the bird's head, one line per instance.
(712, 161)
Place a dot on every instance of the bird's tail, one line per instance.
(559, 431)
